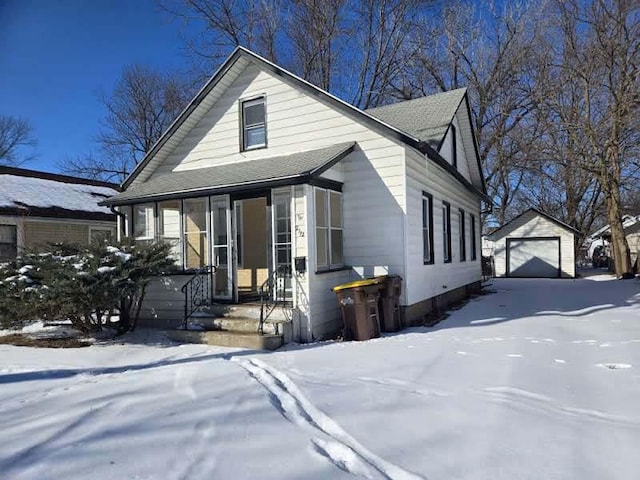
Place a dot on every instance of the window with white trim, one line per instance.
(196, 244)
(446, 231)
(462, 232)
(144, 222)
(8, 242)
(329, 229)
(254, 124)
(427, 228)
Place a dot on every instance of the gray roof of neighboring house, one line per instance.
(425, 118)
(294, 168)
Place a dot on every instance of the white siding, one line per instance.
(295, 122)
(426, 281)
(532, 224)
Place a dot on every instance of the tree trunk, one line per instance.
(619, 245)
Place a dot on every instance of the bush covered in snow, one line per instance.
(85, 285)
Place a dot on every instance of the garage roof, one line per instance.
(497, 233)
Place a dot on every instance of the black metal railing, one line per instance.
(197, 292)
(273, 293)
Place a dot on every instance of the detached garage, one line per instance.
(534, 245)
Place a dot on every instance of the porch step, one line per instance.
(224, 338)
(246, 311)
(232, 324)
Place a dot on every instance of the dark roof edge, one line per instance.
(474, 139)
(57, 177)
(57, 212)
(451, 120)
(423, 147)
(539, 212)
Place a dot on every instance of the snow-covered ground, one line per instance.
(540, 380)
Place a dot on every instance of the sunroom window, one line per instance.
(144, 222)
(169, 226)
(254, 126)
(196, 248)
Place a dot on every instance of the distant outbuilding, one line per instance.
(534, 245)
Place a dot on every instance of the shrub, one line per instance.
(82, 284)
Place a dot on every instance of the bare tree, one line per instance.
(489, 50)
(140, 108)
(593, 95)
(16, 135)
(352, 48)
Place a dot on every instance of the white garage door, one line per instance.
(539, 257)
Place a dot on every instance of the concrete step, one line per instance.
(252, 310)
(232, 324)
(224, 338)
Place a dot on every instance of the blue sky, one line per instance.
(56, 56)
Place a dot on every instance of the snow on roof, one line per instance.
(26, 190)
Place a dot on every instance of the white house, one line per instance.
(534, 244)
(37, 208)
(281, 186)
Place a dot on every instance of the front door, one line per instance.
(221, 248)
(281, 229)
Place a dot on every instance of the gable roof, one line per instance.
(427, 118)
(212, 90)
(30, 192)
(496, 232)
(301, 167)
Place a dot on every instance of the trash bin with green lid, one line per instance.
(359, 306)
(389, 303)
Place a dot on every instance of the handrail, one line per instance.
(273, 292)
(197, 292)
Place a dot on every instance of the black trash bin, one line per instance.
(389, 303)
(359, 306)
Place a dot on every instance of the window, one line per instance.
(454, 147)
(239, 233)
(473, 236)
(427, 228)
(144, 222)
(254, 126)
(328, 206)
(463, 234)
(8, 242)
(169, 226)
(196, 246)
(101, 235)
(446, 231)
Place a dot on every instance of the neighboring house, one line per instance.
(632, 233)
(265, 175)
(37, 208)
(534, 245)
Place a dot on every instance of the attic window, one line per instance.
(454, 147)
(254, 124)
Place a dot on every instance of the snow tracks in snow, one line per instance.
(329, 439)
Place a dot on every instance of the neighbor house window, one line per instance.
(472, 219)
(254, 126)
(196, 246)
(427, 228)
(462, 234)
(101, 235)
(144, 222)
(446, 232)
(328, 209)
(169, 226)
(8, 242)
